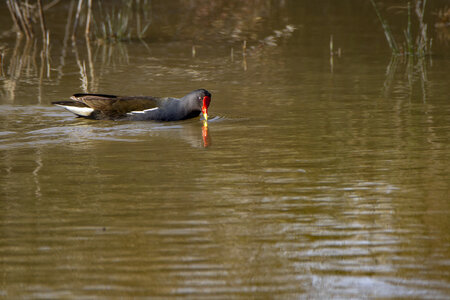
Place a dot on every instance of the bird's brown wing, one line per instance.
(117, 105)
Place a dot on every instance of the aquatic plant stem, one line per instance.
(42, 20)
(88, 19)
(422, 38)
(387, 31)
(409, 42)
(77, 17)
(14, 16)
(24, 25)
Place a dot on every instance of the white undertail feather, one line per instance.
(79, 111)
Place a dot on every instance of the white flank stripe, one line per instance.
(142, 111)
(79, 111)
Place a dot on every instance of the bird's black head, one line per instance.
(202, 99)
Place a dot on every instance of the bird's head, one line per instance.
(201, 99)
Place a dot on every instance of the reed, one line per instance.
(22, 17)
(2, 59)
(77, 18)
(42, 20)
(414, 45)
(387, 30)
(105, 21)
(124, 23)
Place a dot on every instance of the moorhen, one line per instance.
(139, 108)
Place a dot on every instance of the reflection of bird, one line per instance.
(139, 108)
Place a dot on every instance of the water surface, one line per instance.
(323, 177)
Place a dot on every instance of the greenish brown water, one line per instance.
(323, 178)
